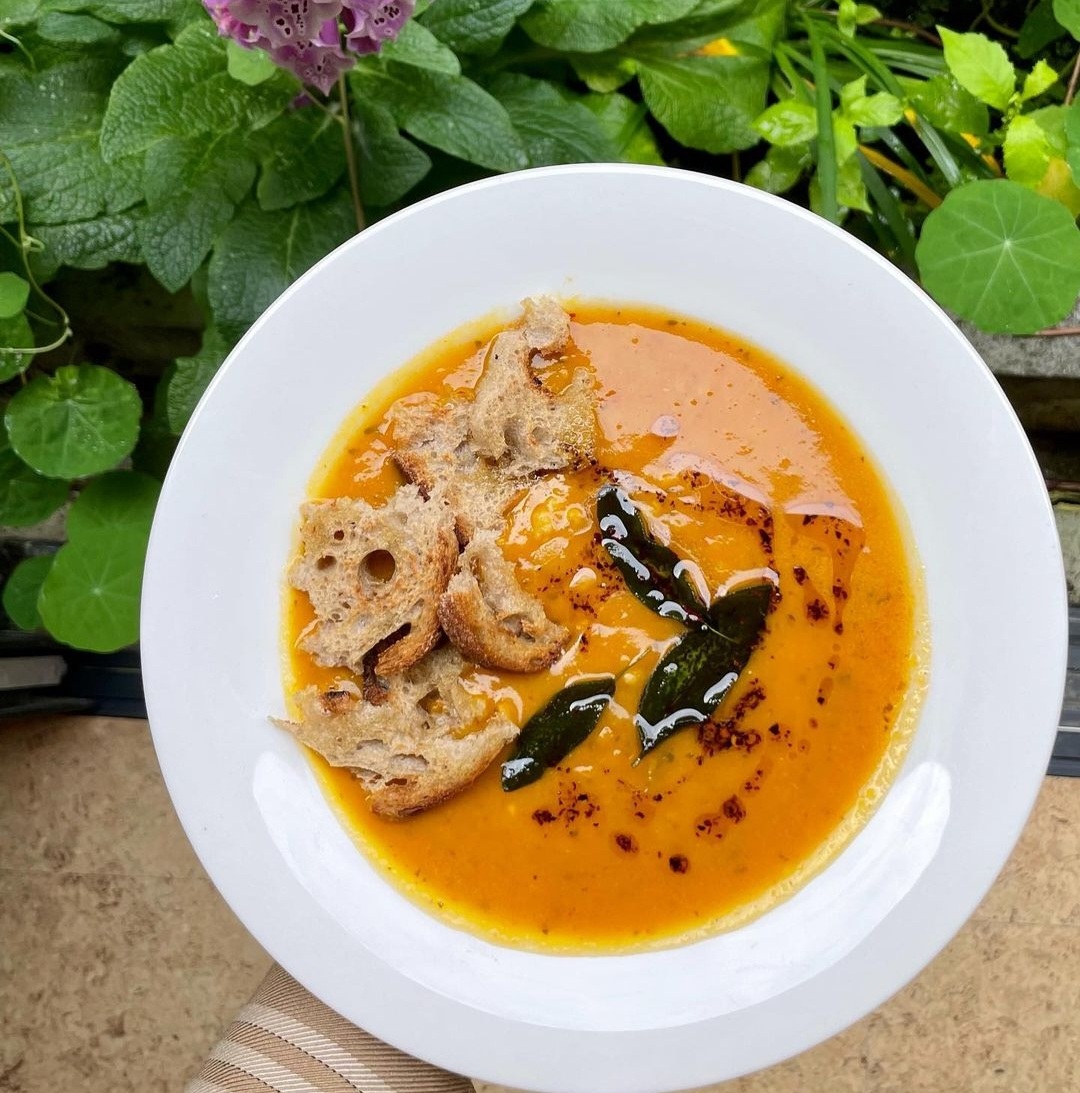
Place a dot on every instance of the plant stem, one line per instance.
(350, 155)
(1073, 79)
(1058, 332)
(902, 175)
(910, 28)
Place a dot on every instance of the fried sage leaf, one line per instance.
(556, 729)
(698, 671)
(654, 573)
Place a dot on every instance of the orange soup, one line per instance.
(610, 850)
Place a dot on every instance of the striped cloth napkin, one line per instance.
(286, 1041)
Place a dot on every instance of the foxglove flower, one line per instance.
(317, 40)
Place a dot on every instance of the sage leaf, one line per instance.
(191, 377)
(1001, 256)
(21, 591)
(698, 671)
(654, 573)
(80, 421)
(556, 729)
(417, 46)
(589, 26)
(473, 26)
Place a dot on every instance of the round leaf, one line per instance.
(118, 504)
(1001, 256)
(14, 292)
(21, 591)
(80, 421)
(25, 496)
(14, 332)
(90, 596)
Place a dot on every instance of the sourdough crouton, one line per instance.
(374, 578)
(414, 750)
(489, 616)
(545, 325)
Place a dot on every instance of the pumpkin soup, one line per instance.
(640, 679)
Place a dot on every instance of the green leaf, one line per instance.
(845, 139)
(302, 156)
(981, 66)
(80, 421)
(1067, 13)
(417, 46)
(261, 253)
(866, 14)
(604, 71)
(553, 732)
(182, 90)
(26, 497)
(250, 66)
(627, 126)
(473, 26)
(1028, 149)
(1001, 256)
(850, 188)
(1072, 133)
(1039, 79)
(653, 572)
(946, 105)
(851, 93)
(15, 333)
(787, 123)
(697, 672)
(121, 503)
(56, 26)
(450, 113)
(553, 127)
(590, 26)
(706, 102)
(877, 110)
(89, 244)
(780, 169)
(1038, 30)
(390, 165)
(190, 379)
(193, 186)
(133, 11)
(14, 292)
(21, 591)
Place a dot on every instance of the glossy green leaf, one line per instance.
(1067, 13)
(589, 26)
(1041, 78)
(473, 26)
(191, 377)
(697, 672)
(653, 572)
(946, 105)
(14, 292)
(1001, 256)
(80, 421)
(604, 72)
(780, 169)
(121, 503)
(626, 124)
(980, 65)
(1031, 141)
(552, 733)
(21, 591)
(850, 188)
(787, 123)
(26, 497)
(876, 110)
(554, 127)
(15, 333)
(417, 46)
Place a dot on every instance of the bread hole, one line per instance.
(327, 561)
(433, 703)
(339, 535)
(378, 566)
(540, 436)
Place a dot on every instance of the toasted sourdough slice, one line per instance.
(415, 749)
(348, 547)
(491, 618)
(545, 325)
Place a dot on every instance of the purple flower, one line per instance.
(305, 36)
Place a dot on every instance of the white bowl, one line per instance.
(948, 443)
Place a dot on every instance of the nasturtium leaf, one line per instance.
(80, 421)
(120, 503)
(26, 497)
(190, 379)
(780, 169)
(1067, 13)
(261, 253)
(1041, 78)
(1001, 256)
(627, 126)
(589, 26)
(787, 123)
(248, 66)
(90, 596)
(21, 591)
(946, 105)
(302, 156)
(417, 46)
(554, 127)
(980, 65)
(14, 292)
(706, 102)
(390, 164)
(15, 333)
(473, 26)
(558, 727)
